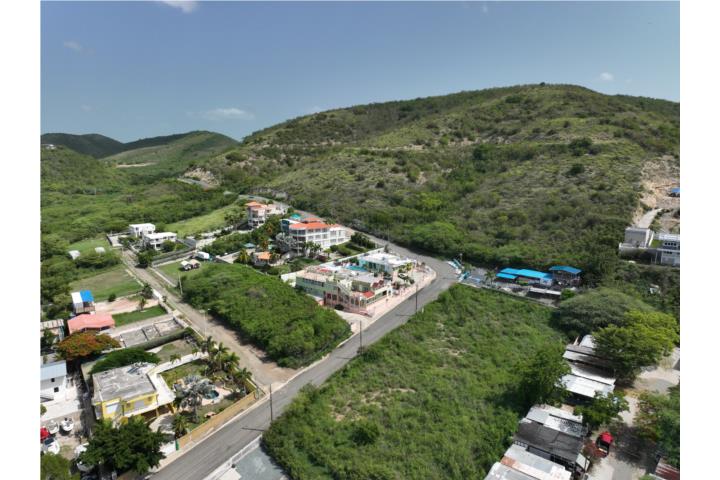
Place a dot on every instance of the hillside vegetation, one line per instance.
(83, 197)
(530, 175)
(290, 326)
(435, 398)
(92, 144)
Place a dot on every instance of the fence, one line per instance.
(220, 419)
(168, 257)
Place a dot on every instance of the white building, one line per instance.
(53, 379)
(669, 249)
(296, 234)
(384, 262)
(155, 240)
(137, 230)
(638, 237)
(258, 213)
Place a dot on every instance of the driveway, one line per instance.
(218, 449)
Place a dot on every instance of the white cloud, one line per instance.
(86, 108)
(185, 6)
(73, 45)
(231, 113)
(607, 77)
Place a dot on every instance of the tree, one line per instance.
(239, 377)
(602, 410)
(174, 358)
(55, 467)
(147, 291)
(142, 303)
(121, 358)
(42, 410)
(85, 344)
(168, 246)
(235, 216)
(540, 376)
(145, 257)
(598, 308)
(192, 396)
(132, 446)
(243, 257)
(52, 245)
(112, 297)
(658, 420)
(46, 340)
(180, 424)
(641, 342)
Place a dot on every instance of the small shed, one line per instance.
(99, 249)
(83, 302)
(74, 254)
(565, 275)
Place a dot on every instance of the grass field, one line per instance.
(177, 347)
(131, 317)
(202, 223)
(172, 271)
(116, 281)
(88, 245)
(197, 367)
(435, 398)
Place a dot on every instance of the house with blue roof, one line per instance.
(565, 275)
(83, 302)
(530, 276)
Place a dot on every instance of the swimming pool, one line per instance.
(355, 268)
(212, 395)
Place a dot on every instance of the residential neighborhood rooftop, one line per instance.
(547, 439)
(123, 382)
(95, 321)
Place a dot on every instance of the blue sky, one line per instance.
(140, 69)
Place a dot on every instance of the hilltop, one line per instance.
(527, 175)
(100, 146)
(92, 144)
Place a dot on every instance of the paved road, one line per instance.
(210, 454)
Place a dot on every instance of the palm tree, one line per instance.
(243, 257)
(230, 362)
(208, 345)
(174, 358)
(192, 397)
(141, 303)
(180, 424)
(239, 377)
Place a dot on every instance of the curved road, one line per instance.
(208, 455)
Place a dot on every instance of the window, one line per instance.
(52, 380)
(56, 389)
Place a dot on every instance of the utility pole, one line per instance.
(180, 284)
(361, 342)
(271, 404)
(416, 296)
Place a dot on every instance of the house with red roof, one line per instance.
(87, 321)
(297, 233)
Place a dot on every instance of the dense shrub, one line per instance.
(121, 358)
(287, 324)
(595, 309)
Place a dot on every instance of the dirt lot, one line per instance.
(658, 177)
(123, 305)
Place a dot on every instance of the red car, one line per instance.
(603, 443)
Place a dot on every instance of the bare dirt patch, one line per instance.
(658, 177)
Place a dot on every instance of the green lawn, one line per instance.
(177, 347)
(116, 281)
(193, 368)
(435, 398)
(202, 223)
(130, 317)
(89, 244)
(173, 270)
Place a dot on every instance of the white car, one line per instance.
(50, 445)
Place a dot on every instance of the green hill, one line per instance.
(93, 144)
(528, 175)
(162, 157)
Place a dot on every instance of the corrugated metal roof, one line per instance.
(527, 273)
(585, 386)
(506, 276)
(557, 419)
(565, 268)
(549, 440)
(86, 296)
(517, 458)
(53, 370)
(501, 472)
